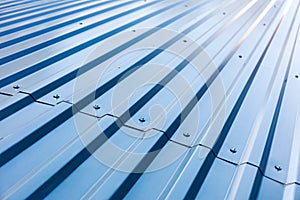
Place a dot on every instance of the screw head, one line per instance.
(186, 134)
(240, 56)
(277, 167)
(16, 87)
(233, 150)
(56, 96)
(96, 107)
(296, 76)
(142, 119)
(184, 40)
(224, 13)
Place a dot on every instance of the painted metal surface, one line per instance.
(153, 99)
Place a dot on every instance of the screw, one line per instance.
(277, 167)
(133, 30)
(16, 87)
(96, 107)
(142, 119)
(233, 150)
(186, 6)
(184, 40)
(296, 76)
(224, 13)
(264, 24)
(240, 56)
(56, 96)
(80, 23)
(186, 134)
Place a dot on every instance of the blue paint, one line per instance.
(22, 27)
(267, 149)
(28, 12)
(57, 26)
(65, 54)
(203, 171)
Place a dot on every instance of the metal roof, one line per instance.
(153, 99)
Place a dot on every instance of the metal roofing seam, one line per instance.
(21, 89)
(196, 99)
(239, 164)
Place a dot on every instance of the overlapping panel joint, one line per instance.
(150, 99)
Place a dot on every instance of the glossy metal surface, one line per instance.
(155, 99)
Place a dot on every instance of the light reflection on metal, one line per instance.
(243, 141)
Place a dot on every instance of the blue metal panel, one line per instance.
(156, 99)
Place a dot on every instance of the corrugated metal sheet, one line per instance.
(156, 99)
